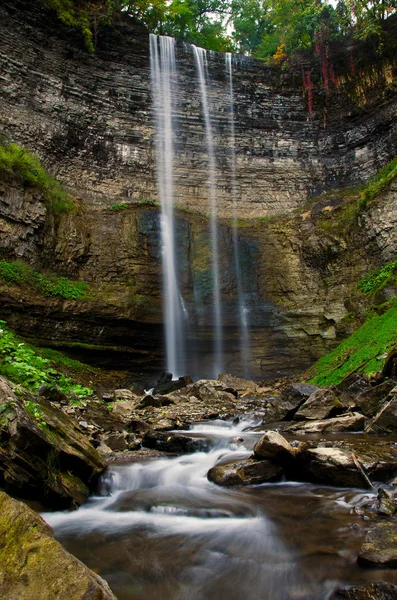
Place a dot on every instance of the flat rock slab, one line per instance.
(348, 422)
(245, 472)
(370, 401)
(376, 591)
(35, 566)
(380, 546)
(332, 466)
(385, 421)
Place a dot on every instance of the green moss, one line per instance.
(18, 163)
(379, 183)
(149, 202)
(119, 207)
(21, 274)
(360, 351)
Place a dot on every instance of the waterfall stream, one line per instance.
(160, 530)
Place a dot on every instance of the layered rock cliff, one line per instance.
(89, 119)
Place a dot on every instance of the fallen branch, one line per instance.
(361, 469)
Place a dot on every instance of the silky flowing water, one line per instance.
(159, 530)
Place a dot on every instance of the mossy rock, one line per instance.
(34, 565)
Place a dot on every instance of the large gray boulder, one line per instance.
(273, 446)
(245, 472)
(370, 400)
(34, 566)
(285, 406)
(320, 405)
(380, 546)
(385, 421)
(331, 466)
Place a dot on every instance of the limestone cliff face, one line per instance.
(89, 119)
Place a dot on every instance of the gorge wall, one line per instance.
(89, 120)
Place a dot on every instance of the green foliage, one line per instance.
(22, 165)
(20, 274)
(34, 410)
(379, 279)
(379, 183)
(21, 363)
(360, 351)
(119, 206)
(148, 202)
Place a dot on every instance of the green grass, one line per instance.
(20, 274)
(18, 163)
(360, 351)
(22, 364)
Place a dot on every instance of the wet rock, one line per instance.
(44, 455)
(330, 466)
(156, 401)
(170, 442)
(348, 422)
(139, 426)
(369, 401)
(115, 442)
(353, 384)
(375, 591)
(380, 546)
(237, 384)
(290, 400)
(33, 565)
(105, 451)
(245, 472)
(166, 385)
(386, 503)
(385, 421)
(273, 446)
(210, 391)
(320, 405)
(123, 395)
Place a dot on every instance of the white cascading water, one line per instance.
(245, 345)
(200, 56)
(163, 75)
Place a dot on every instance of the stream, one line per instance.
(159, 530)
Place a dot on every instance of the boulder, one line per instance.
(115, 441)
(385, 421)
(167, 385)
(239, 385)
(320, 405)
(245, 472)
(210, 391)
(123, 410)
(380, 546)
(348, 422)
(290, 400)
(273, 446)
(370, 400)
(353, 384)
(330, 466)
(175, 443)
(375, 591)
(156, 401)
(44, 455)
(33, 565)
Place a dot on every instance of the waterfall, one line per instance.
(245, 346)
(163, 75)
(200, 56)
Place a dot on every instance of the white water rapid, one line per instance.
(163, 74)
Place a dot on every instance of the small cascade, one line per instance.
(200, 56)
(163, 74)
(245, 346)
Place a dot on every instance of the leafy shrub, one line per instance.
(19, 273)
(21, 363)
(378, 279)
(149, 202)
(20, 164)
